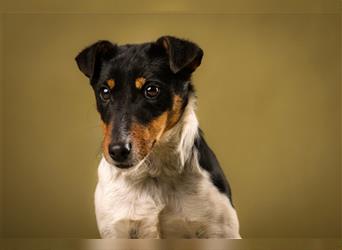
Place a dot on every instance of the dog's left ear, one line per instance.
(183, 54)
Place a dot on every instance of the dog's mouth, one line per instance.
(124, 166)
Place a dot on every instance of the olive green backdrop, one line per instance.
(269, 103)
(1, 125)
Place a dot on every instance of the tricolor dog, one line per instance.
(158, 178)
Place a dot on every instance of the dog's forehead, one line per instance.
(135, 60)
(131, 56)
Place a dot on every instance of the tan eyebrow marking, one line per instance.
(139, 82)
(111, 83)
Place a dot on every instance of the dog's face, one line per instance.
(141, 91)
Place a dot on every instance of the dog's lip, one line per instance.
(120, 165)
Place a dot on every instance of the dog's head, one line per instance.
(141, 91)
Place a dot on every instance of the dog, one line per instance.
(158, 178)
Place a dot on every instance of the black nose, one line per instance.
(119, 151)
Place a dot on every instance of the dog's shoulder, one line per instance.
(209, 162)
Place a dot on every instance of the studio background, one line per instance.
(268, 101)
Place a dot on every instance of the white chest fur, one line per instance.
(187, 206)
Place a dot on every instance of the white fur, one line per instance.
(167, 195)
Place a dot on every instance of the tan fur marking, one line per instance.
(165, 44)
(107, 137)
(144, 136)
(139, 82)
(111, 83)
(175, 113)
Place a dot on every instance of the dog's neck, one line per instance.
(174, 154)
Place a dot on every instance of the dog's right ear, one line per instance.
(90, 59)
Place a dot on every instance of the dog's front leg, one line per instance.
(145, 228)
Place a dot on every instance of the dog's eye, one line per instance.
(151, 91)
(105, 93)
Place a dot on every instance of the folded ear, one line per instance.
(182, 54)
(90, 59)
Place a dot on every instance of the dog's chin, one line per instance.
(125, 166)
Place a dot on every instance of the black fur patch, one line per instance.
(209, 162)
